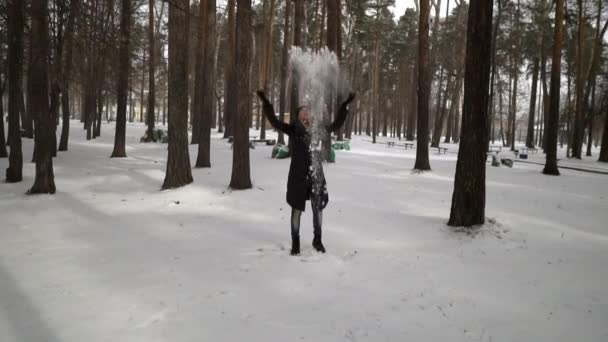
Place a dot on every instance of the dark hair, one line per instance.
(301, 108)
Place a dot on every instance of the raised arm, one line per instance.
(269, 112)
(342, 114)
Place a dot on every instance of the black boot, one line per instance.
(295, 244)
(317, 244)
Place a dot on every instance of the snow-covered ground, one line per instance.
(112, 258)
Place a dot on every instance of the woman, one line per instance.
(306, 180)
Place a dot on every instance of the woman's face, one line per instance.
(304, 116)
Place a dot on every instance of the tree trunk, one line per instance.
(208, 85)
(454, 107)
(150, 119)
(3, 152)
(141, 89)
(178, 160)
(332, 45)
(424, 89)
(27, 123)
(468, 200)
(44, 183)
(577, 136)
(16, 20)
(267, 76)
(553, 120)
(531, 123)
(604, 150)
(284, 69)
(241, 178)
(196, 104)
(298, 20)
(413, 103)
(66, 77)
(438, 130)
(124, 65)
(513, 114)
(491, 106)
(590, 119)
(230, 100)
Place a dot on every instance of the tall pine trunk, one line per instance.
(124, 64)
(298, 21)
(424, 89)
(150, 119)
(531, 118)
(16, 21)
(230, 100)
(208, 85)
(66, 77)
(241, 177)
(556, 65)
(44, 183)
(3, 152)
(178, 160)
(579, 128)
(284, 69)
(604, 149)
(468, 199)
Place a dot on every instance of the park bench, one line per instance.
(440, 150)
(408, 145)
(341, 145)
(495, 149)
(390, 144)
(268, 142)
(251, 142)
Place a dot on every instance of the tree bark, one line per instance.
(44, 182)
(604, 149)
(208, 85)
(439, 123)
(16, 20)
(298, 20)
(332, 45)
(413, 103)
(553, 120)
(424, 89)
(178, 171)
(468, 199)
(122, 87)
(531, 118)
(241, 178)
(284, 69)
(230, 101)
(66, 76)
(3, 152)
(577, 136)
(150, 118)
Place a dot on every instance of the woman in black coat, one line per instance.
(306, 180)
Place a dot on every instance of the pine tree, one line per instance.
(44, 182)
(556, 71)
(468, 199)
(424, 89)
(241, 178)
(178, 171)
(123, 80)
(16, 19)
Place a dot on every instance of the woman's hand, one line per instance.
(351, 97)
(262, 96)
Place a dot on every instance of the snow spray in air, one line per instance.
(318, 75)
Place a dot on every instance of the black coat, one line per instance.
(306, 180)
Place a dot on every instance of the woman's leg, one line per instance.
(317, 221)
(295, 231)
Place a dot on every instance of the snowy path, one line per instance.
(111, 258)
